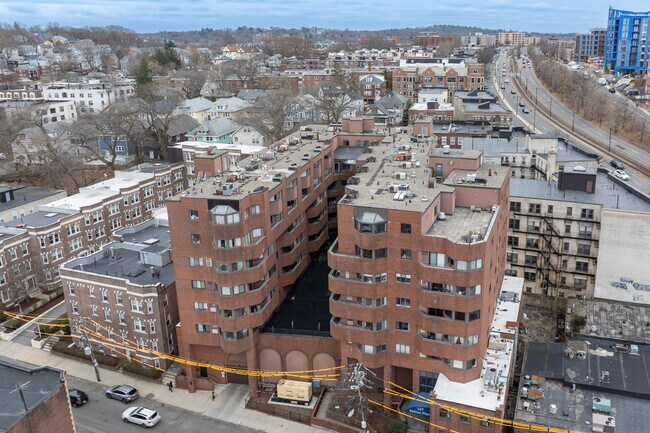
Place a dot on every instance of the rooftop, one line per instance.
(464, 223)
(600, 369)
(608, 193)
(617, 321)
(7, 233)
(392, 167)
(142, 256)
(44, 217)
(485, 392)
(23, 195)
(493, 175)
(300, 147)
(38, 385)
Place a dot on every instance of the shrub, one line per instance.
(137, 368)
(399, 427)
(3, 316)
(13, 324)
(577, 323)
(62, 347)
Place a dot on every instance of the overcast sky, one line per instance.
(154, 15)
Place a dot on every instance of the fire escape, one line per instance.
(549, 265)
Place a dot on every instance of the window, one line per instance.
(535, 208)
(584, 249)
(196, 261)
(549, 209)
(465, 419)
(587, 213)
(569, 211)
(529, 276)
(444, 413)
(137, 305)
(118, 298)
(405, 228)
(513, 241)
(403, 278)
(194, 214)
(402, 326)
(233, 290)
(582, 266)
(198, 284)
(513, 224)
(427, 381)
(107, 314)
(405, 253)
(515, 206)
(485, 423)
(196, 238)
(585, 231)
(202, 327)
(512, 257)
(370, 254)
(403, 302)
(201, 306)
(403, 348)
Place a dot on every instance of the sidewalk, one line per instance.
(228, 406)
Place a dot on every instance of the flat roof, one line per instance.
(614, 320)
(458, 226)
(7, 233)
(481, 393)
(392, 163)
(493, 173)
(23, 195)
(38, 384)
(123, 259)
(243, 149)
(44, 217)
(300, 144)
(608, 193)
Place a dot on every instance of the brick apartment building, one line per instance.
(432, 40)
(511, 38)
(16, 268)
(408, 80)
(128, 288)
(414, 274)
(80, 224)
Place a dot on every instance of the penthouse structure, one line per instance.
(80, 224)
(127, 288)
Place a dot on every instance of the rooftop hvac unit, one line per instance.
(471, 177)
(400, 175)
(228, 189)
(442, 216)
(446, 149)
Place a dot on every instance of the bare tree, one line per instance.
(157, 107)
(270, 114)
(335, 98)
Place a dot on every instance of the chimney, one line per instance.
(489, 172)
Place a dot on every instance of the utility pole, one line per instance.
(534, 118)
(88, 350)
(550, 105)
(536, 89)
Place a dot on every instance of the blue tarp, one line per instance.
(418, 408)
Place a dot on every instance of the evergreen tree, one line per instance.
(143, 73)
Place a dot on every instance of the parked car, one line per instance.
(621, 174)
(141, 416)
(77, 397)
(617, 164)
(124, 393)
(521, 104)
(525, 110)
(612, 90)
(513, 92)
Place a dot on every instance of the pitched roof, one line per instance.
(229, 105)
(196, 104)
(180, 124)
(393, 99)
(216, 128)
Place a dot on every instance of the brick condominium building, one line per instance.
(412, 281)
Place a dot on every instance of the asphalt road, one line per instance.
(638, 180)
(101, 415)
(26, 336)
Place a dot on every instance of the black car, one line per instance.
(78, 398)
(612, 90)
(617, 164)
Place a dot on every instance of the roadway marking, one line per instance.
(89, 428)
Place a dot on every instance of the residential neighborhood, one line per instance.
(321, 226)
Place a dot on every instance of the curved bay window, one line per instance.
(223, 215)
(370, 222)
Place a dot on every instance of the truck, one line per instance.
(602, 81)
(294, 391)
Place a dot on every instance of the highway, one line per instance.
(549, 116)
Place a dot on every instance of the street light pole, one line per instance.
(534, 118)
(573, 121)
(609, 147)
(550, 106)
(536, 89)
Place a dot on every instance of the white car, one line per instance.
(141, 416)
(621, 174)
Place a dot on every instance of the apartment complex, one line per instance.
(16, 275)
(511, 38)
(80, 224)
(478, 40)
(412, 279)
(554, 234)
(590, 46)
(128, 289)
(17, 201)
(409, 80)
(627, 42)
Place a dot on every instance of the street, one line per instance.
(537, 122)
(101, 415)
